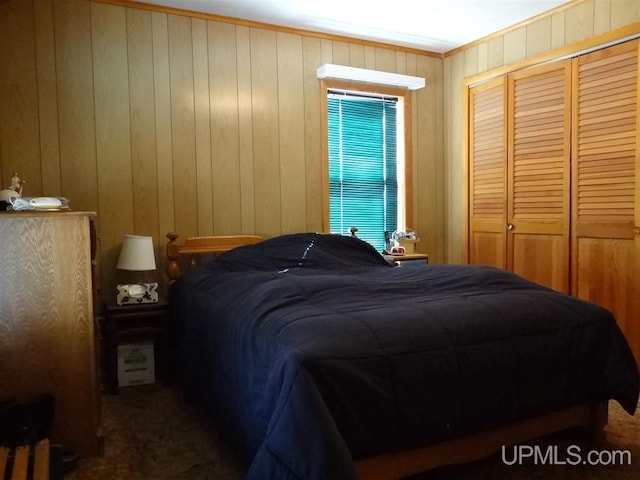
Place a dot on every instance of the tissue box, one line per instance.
(136, 364)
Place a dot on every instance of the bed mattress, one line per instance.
(310, 351)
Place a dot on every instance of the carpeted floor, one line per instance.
(151, 434)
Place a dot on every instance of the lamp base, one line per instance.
(132, 293)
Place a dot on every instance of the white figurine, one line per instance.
(16, 183)
(15, 190)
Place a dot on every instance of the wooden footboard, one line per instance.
(392, 466)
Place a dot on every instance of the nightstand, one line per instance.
(410, 258)
(136, 323)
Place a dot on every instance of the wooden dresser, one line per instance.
(47, 339)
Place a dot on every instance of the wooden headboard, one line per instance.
(194, 246)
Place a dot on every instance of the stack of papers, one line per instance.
(39, 203)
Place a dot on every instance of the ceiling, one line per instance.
(431, 25)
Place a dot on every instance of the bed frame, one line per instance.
(591, 417)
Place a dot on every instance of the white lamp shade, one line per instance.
(137, 254)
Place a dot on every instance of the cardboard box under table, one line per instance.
(136, 364)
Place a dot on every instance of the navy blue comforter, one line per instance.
(310, 350)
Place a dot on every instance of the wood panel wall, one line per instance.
(164, 122)
(559, 32)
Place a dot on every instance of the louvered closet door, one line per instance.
(606, 205)
(539, 174)
(488, 168)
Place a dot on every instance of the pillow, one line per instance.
(301, 251)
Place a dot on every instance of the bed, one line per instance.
(317, 359)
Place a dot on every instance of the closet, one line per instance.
(553, 190)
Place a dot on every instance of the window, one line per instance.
(365, 141)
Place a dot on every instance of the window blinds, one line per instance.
(363, 185)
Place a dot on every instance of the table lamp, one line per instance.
(137, 255)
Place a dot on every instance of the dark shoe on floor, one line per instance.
(69, 460)
(16, 427)
(42, 409)
(26, 423)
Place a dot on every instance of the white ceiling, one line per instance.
(432, 25)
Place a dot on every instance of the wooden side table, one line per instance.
(408, 257)
(130, 323)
